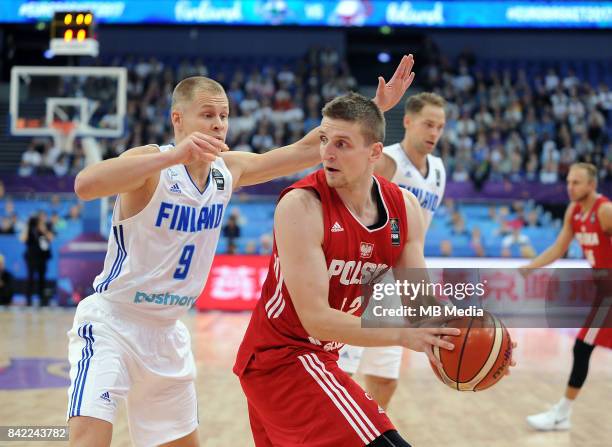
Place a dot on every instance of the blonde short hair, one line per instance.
(415, 103)
(185, 90)
(589, 168)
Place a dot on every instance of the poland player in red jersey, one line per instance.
(589, 219)
(334, 230)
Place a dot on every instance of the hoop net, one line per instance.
(64, 134)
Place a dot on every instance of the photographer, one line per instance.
(37, 237)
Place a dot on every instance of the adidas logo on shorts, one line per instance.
(105, 396)
(336, 228)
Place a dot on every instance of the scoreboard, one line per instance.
(73, 33)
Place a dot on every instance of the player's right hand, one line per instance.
(525, 271)
(199, 148)
(424, 339)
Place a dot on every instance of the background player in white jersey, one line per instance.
(127, 342)
(410, 165)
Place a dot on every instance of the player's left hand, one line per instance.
(388, 94)
(512, 361)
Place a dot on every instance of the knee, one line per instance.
(89, 432)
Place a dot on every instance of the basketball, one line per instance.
(482, 354)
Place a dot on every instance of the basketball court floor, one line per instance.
(34, 379)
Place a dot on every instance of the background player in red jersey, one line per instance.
(334, 230)
(589, 219)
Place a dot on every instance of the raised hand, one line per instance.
(388, 94)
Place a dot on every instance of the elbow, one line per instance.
(315, 327)
(83, 187)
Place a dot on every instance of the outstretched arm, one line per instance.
(250, 169)
(141, 165)
(559, 247)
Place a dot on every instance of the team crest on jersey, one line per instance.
(219, 179)
(592, 218)
(366, 249)
(438, 177)
(172, 174)
(395, 231)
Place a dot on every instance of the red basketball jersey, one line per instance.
(355, 255)
(596, 245)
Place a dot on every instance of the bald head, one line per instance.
(186, 90)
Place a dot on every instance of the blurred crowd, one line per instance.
(506, 124)
(271, 105)
(501, 124)
(514, 123)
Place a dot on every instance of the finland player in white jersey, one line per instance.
(410, 165)
(127, 342)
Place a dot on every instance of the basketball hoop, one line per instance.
(64, 133)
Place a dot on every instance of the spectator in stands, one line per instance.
(7, 287)
(243, 143)
(250, 248)
(57, 223)
(533, 220)
(262, 141)
(74, 214)
(231, 230)
(7, 226)
(476, 242)
(78, 159)
(459, 228)
(460, 173)
(551, 80)
(516, 238)
(550, 172)
(31, 161)
(531, 169)
(2, 190)
(232, 249)
(50, 155)
(9, 211)
(61, 167)
(446, 248)
(457, 224)
(37, 238)
(265, 244)
(492, 213)
(55, 203)
(43, 217)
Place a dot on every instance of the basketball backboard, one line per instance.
(80, 101)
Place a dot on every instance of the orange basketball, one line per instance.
(482, 354)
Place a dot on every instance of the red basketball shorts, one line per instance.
(299, 398)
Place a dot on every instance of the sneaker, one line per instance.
(550, 420)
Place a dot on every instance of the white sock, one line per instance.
(564, 406)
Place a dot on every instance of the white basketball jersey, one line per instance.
(428, 190)
(158, 260)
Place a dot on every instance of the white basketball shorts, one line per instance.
(374, 361)
(148, 365)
